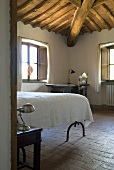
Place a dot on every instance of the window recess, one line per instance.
(34, 62)
(107, 63)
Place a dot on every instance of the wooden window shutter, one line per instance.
(105, 67)
(42, 63)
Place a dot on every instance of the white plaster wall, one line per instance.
(59, 59)
(83, 58)
(5, 121)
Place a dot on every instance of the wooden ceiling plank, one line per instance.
(54, 7)
(97, 28)
(55, 28)
(78, 20)
(50, 24)
(87, 28)
(66, 7)
(76, 2)
(24, 6)
(98, 3)
(106, 25)
(43, 13)
(24, 16)
(63, 28)
(105, 8)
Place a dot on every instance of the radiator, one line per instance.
(110, 95)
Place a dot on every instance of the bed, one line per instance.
(54, 109)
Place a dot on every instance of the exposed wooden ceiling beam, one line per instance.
(78, 20)
(24, 6)
(57, 20)
(98, 3)
(104, 7)
(44, 20)
(106, 25)
(42, 14)
(63, 27)
(32, 10)
(61, 17)
(56, 28)
(76, 2)
(95, 26)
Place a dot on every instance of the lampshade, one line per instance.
(27, 108)
(72, 71)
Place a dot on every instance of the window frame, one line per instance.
(38, 80)
(106, 46)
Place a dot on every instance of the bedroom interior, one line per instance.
(74, 44)
(79, 48)
(31, 17)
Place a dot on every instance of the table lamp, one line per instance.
(70, 71)
(27, 108)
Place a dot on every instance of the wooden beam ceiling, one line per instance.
(95, 26)
(33, 10)
(67, 17)
(98, 3)
(76, 2)
(104, 7)
(24, 6)
(52, 8)
(106, 25)
(63, 27)
(42, 21)
(24, 16)
(60, 26)
(87, 29)
(78, 20)
(50, 24)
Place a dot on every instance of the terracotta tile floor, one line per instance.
(95, 151)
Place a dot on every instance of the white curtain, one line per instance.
(49, 65)
(98, 72)
(19, 70)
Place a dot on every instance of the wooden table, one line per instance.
(25, 138)
(60, 88)
(68, 88)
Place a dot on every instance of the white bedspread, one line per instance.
(53, 109)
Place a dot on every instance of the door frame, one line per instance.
(13, 81)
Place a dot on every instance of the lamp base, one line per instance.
(22, 127)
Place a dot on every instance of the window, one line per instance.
(107, 63)
(34, 62)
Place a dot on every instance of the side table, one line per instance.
(29, 137)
